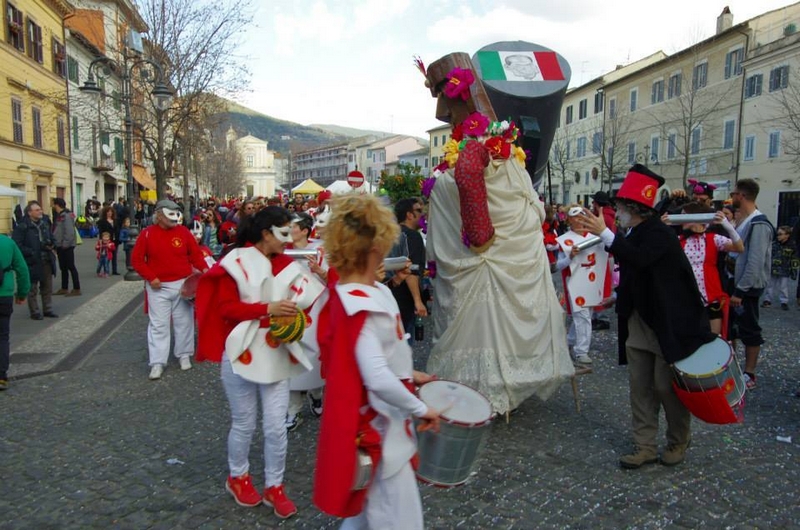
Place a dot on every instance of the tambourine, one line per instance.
(189, 287)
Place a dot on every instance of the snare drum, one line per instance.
(447, 458)
(189, 287)
(710, 379)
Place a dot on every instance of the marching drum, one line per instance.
(710, 383)
(448, 457)
(189, 287)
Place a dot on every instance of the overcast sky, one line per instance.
(350, 62)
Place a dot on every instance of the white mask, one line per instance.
(624, 218)
(172, 215)
(197, 229)
(322, 219)
(282, 233)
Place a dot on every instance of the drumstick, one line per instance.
(425, 427)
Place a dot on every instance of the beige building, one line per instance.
(685, 116)
(258, 164)
(34, 149)
(437, 137)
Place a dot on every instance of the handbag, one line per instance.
(78, 238)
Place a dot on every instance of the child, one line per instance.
(702, 248)
(105, 250)
(124, 239)
(198, 232)
(784, 266)
(587, 283)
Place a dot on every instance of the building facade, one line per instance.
(323, 165)
(34, 150)
(437, 137)
(258, 164)
(710, 112)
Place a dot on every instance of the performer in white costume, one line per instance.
(368, 367)
(586, 283)
(164, 255)
(498, 326)
(242, 304)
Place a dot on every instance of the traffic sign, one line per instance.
(355, 179)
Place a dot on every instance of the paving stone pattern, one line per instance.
(94, 448)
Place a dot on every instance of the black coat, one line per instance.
(656, 280)
(26, 236)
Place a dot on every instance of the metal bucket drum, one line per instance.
(712, 366)
(448, 457)
(189, 287)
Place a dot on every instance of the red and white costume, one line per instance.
(167, 254)
(702, 250)
(367, 365)
(587, 281)
(232, 301)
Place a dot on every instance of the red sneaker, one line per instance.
(276, 497)
(243, 491)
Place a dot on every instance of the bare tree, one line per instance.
(223, 169)
(560, 157)
(616, 135)
(195, 43)
(688, 117)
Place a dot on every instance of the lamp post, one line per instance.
(163, 98)
(602, 95)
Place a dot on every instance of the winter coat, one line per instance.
(13, 264)
(64, 232)
(26, 236)
(656, 281)
(784, 260)
(753, 265)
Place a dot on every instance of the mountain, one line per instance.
(283, 136)
(349, 131)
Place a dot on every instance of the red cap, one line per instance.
(323, 196)
(640, 185)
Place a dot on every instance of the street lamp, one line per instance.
(163, 99)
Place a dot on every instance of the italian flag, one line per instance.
(495, 67)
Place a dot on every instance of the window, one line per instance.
(631, 152)
(672, 145)
(598, 102)
(115, 100)
(568, 118)
(444, 139)
(700, 76)
(76, 142)
(634, 97)
(733, 63)
(582, 109)
(119, 150)
(435, 161)
(586, 181)
(569, 149)
(61, 137)
(752, 86)
(15, 33)
(581, 150)
(779, 78)
(674, 89)
(727, 135)
(436, 141)
(16, 118)
(35, 48)
(695, 140)
(749, 148)
(59, 59)
(597, 143)
(774, 144)
(657, 94)
(610, 156)
(655, 145)
(612, 108)
(36, 114)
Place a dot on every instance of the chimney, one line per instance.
(724, 20)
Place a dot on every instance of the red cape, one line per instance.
(342, 423)
(212, 328)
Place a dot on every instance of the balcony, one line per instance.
(103, 163)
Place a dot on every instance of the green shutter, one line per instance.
(119, 151)
(76, 143)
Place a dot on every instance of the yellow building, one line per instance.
(34, 143)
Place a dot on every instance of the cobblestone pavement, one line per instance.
(103, 447)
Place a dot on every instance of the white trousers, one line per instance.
(243, 396)
(165, 306)
(779, 284)
(392, 502)
(579, 335)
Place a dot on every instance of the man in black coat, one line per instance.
(34, 237)
(661, 315)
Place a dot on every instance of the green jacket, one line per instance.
(13, 264)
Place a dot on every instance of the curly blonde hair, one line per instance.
(358, 223)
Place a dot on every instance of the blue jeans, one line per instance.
(102, 264)
(6, 308)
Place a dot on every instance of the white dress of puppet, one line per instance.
(497, 324)
(256, 282)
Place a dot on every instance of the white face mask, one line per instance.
(172, 215)
(282, 233)
(322, 219)
(624, 218)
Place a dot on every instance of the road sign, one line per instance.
(355, 179)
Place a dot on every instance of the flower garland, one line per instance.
(499, 137)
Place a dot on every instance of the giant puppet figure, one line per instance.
(498, 325)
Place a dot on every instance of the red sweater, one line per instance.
(166, 254)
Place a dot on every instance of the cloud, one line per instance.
(317, 23)
(373, 12)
